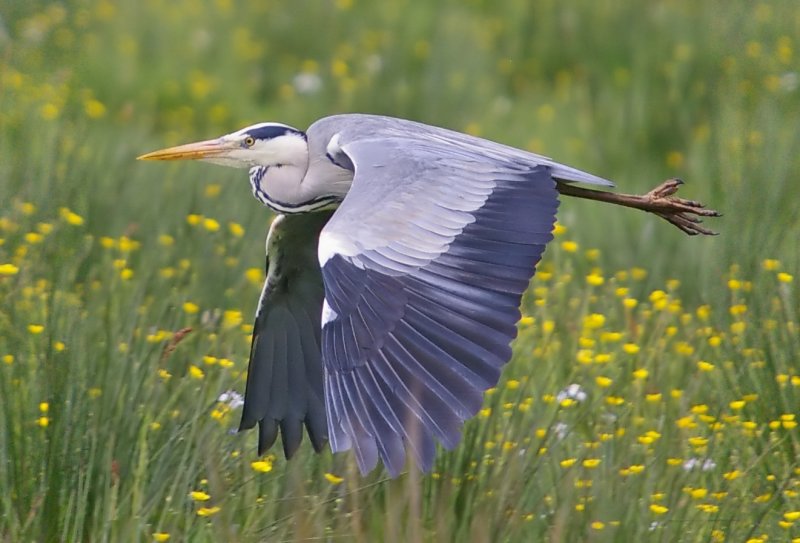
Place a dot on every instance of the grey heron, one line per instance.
(395, 270)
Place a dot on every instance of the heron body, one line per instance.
(395, 272)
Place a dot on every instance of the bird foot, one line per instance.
(684, 214)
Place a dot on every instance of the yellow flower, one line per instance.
(732, 475)
(658, 509)
(225, 363)
(33, 238)
(107, 242)
(770, 264)
(232, 318)
(190, 308)
(208, 511)
(568, 462)
(641, 374)
(199, 496)
(512, 384)
(35, 329)
(737, 405)
(591, 463)
(94, 108)
(630, 348)
(195, 372)
(698, 493)
(166, 240)
(72, 218)
(603, 382)
(698, 441)
(43, 422)
(784, 277)
(630, 303)
(595, 279)
(236, 229)
(126, 244)
(160, 536)
(8, 269)
(559, 229)
(27, 208)
(597, 525)
(262, 466)
(702, 365)
(44, 407)
(569, 246)
(49, 111)
(8, 359)
(594, 321)
(738, 328)
(194, 219)
(738, 309)
(211, 225)
(334, 479)
(126, 274)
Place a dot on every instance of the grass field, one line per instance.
(654, 392)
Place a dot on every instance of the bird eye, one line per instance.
(249, 141)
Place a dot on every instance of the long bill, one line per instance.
(200, 150)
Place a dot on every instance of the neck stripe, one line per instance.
(285, 207)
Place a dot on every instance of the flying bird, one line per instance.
(395, 270)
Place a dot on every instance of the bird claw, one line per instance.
(684, 214)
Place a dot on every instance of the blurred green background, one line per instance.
(636, 92)
(106, 429)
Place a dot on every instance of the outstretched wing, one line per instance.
(284, 379)
(424, 265)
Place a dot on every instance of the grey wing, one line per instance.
(284, 379)
(424, 265)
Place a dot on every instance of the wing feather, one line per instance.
(424, 265)
(284, 382)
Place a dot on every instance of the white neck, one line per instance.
(281, 189)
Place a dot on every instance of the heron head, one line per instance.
(263, 144)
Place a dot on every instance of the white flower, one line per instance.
(307, 83)
(561, 430)
(789, 81)
(232, 398)
(703, 464)
(571, 392)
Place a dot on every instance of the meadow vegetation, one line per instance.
(655, 385)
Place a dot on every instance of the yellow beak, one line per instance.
(193, 151)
